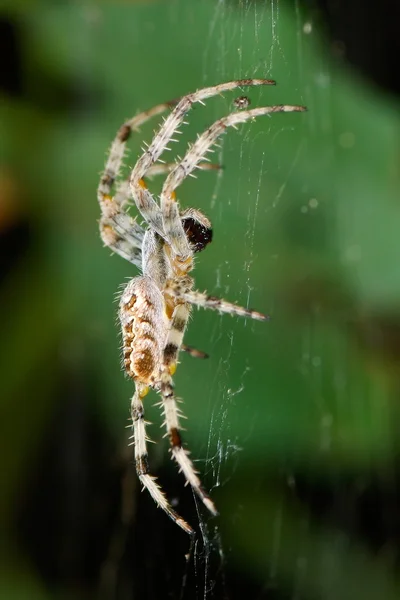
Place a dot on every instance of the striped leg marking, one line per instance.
(165, 168)
(174, 340)
(194, 352)
(212, 302)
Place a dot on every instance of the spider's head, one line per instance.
(197, 228)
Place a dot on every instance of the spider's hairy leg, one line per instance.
(175, 335)
(175, 119)
(117, 150)
(172, 347)
(180, 454)
(141, 459)
(171, 124)
(206, 140)
(170, 210)
(119, 231)
(203, 300)
(165, 168)
(120, 244)
(193, 351)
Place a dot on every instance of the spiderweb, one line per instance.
(226, 399)
(247, 200)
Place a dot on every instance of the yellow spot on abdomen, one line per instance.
(144, 391)
(172, 368)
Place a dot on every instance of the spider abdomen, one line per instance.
(144, 328)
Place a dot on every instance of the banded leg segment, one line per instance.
(165, 168)
(194, 351)
(141, 460)
(180, 454)
(174, 340)
(170, 209)
(203, 300)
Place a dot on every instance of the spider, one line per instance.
(154, 307)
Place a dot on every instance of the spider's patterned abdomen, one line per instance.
(144, 329)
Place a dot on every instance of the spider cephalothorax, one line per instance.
(155, 306)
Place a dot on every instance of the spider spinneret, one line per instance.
(155, 306)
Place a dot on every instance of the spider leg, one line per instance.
(175, 119)
(121, 245)
(193, 351)
(203, 300)
(173, 344)
(180, 454)
(170, 126)
(175, 335)
(118, 230)
(117, 150)
(172, 223)
(141, 459)
(162, 168)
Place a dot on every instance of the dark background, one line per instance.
(294, 423)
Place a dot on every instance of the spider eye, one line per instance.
(198, 234)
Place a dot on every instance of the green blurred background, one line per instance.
(293, 423)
